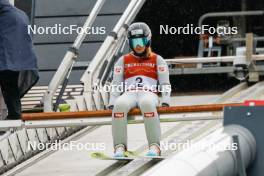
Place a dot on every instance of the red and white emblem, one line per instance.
(118, 70)
(119, 115)
(149, 114)
(161, 68)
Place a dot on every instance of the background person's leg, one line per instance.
(148, 103)
(10, 91)
(122, 106)
(3, 108)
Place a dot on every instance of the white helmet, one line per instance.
(139, 34)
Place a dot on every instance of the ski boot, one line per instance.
(120, 150)
(154, 150)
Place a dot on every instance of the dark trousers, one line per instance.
(9, 87)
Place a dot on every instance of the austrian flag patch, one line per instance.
(118, 70)
(119, 115)
(161, 68)
(149, 114)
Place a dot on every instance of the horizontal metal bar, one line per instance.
(242, 39)
(135, 111)
(223, 14)
(65, 122)
(211, 59)
(210, 70)
(201, 59)
(94, 122)
(205, 70)
(6, 124)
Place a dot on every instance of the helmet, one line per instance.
(139, 34)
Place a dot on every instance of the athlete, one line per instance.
(141, 74)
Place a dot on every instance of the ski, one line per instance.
(129, 155)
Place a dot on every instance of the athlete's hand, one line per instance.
(165, 105)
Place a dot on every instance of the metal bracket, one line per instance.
(239, 162)
(75, 51)
(253, 74)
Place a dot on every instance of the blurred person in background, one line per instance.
(18, 62)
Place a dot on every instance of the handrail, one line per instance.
(211, 59)
(226, 14)
(69, 59)
(121, 41)
(135, 111)
(89, 78)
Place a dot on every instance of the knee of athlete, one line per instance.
(121, 106)
(147, 104)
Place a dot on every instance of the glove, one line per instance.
(165, 105)
(111, 107)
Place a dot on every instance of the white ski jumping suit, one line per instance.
(141, 79)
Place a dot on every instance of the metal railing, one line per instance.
(15, 148)
(227, 14)
(104, 55)
(69, 59)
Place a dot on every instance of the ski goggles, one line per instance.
(142, 42)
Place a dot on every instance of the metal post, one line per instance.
(63, 87)
(253, 74)
(243, 18)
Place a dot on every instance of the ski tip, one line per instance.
(97, 155)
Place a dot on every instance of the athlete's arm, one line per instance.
(164, 81)
(117, 83)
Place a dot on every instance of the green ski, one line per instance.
(129, 155)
